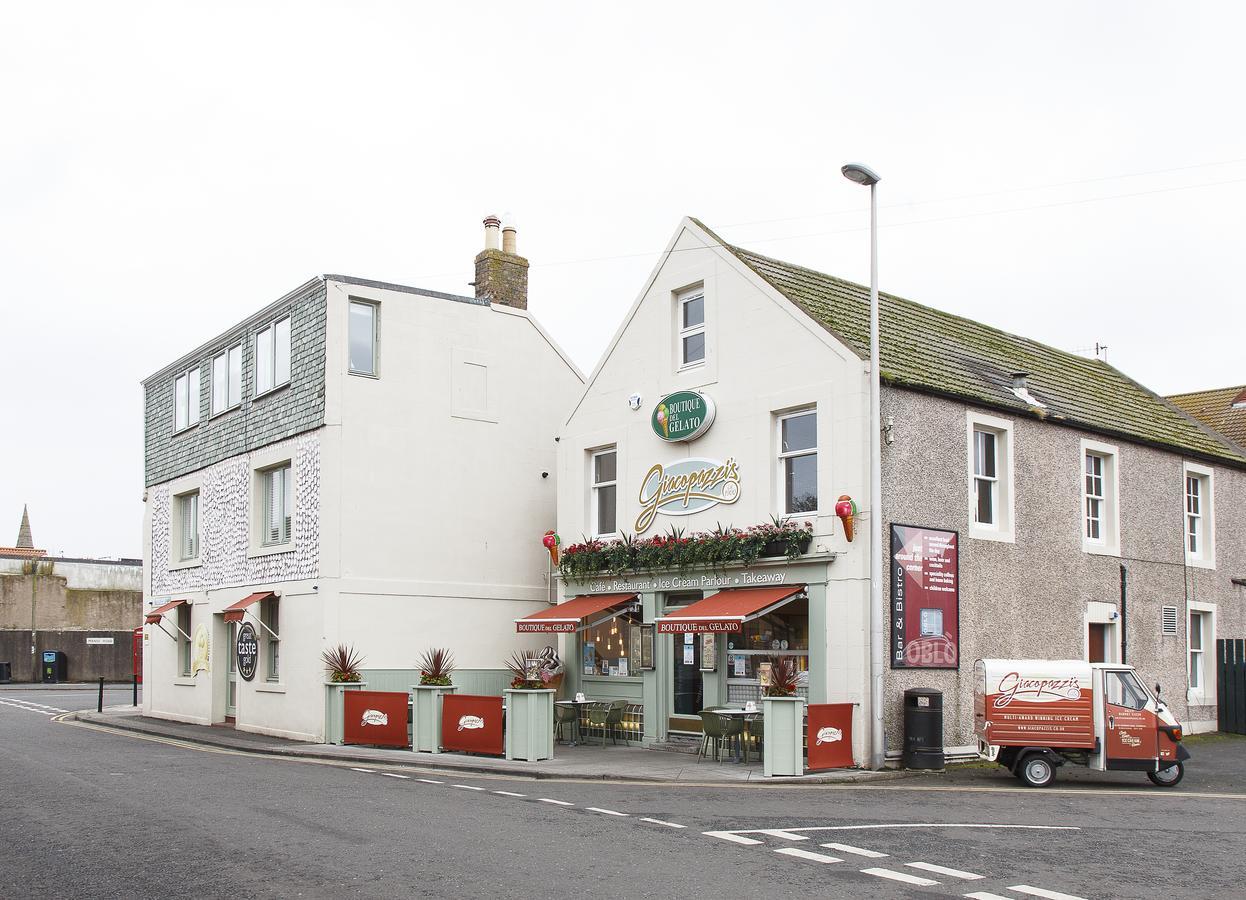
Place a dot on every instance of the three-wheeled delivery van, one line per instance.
(1034, 715)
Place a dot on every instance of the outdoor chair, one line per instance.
(756, 728)
(607, 717)
(718, 731)
(566, 716)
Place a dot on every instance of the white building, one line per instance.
(358, 463)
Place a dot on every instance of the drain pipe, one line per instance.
(1124, 613)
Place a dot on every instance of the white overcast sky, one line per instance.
(1074, 172)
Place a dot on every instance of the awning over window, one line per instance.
(154, 617)
(570, 616)
(235, 611)
(728, 610)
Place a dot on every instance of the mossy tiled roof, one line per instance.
(930, 350)
(1217, 408)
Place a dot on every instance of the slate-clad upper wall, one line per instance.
(257, 421)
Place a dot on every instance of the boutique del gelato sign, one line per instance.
(682, 416)
(685, 487)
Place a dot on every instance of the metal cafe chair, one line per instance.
(608, 717)
(566, 716)
(717, 731)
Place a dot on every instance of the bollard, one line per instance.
(135, 677)
(99, 706)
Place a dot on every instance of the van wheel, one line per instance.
(1036, 770)
(1169, 777)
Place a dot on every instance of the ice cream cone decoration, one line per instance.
(663, 421)
(551, 541)
(846, 509)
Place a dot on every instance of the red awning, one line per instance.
(153, 617)
(728, 610)
(234, 612)
(570, 616)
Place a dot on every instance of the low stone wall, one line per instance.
(87, 662)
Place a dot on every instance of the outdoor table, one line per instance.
(746, 715)
(579, 712)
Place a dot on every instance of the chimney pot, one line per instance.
(501, 273)
(508, 238)
(492, 224)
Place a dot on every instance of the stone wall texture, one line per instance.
(225, 527)
(256, 421)
(1028, 599)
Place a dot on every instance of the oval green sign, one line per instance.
(682, 416)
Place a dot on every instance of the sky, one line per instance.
(1072, 172)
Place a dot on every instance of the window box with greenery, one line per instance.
(784, 714)
(631, 555)
(342, 674)
(436, 669)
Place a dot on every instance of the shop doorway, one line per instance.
(1097, 642)
(687, 689)
(231, 679)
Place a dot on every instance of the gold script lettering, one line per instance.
(684, 487)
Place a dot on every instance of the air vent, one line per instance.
(1168, 620)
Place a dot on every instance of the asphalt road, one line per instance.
(98, 814)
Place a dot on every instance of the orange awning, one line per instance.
(570, 616)
(728, 610)
(153, 617)
(234, 612)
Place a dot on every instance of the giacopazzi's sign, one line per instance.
(686, 487)
(682, 416)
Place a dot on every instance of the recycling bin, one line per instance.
(55, 666)
(6, 672)
(923, 729)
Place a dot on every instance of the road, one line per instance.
(111, 815)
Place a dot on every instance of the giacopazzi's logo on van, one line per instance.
(682, 416)
(686, 487)
(1036, 690)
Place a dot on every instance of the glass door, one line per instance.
(231, 689)
(687, 695)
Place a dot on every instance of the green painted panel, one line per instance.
(489, 682)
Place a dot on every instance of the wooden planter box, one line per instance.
(334, 730)
(529, 724)
(784, 749)
(779, 548)
(426, 716)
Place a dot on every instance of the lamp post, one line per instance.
(862, 175)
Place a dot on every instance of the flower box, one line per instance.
(529, 724)
(779, 548)
(784, 750)
(426, 716)
(334, 729)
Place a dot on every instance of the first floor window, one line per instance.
(278, 504)
(1094, 497)
(1193, 515)
(362, 337)
(986, 477)
(798, 461)
(188, 522)
(692, 329)
(226, 379)
(1197, 642)
(183, 637)
(270, 612)
(272, 356)
(186, 400)
(604, 491)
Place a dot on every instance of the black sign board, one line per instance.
(248, 651)
(925, 598)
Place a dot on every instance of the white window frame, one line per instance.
(1205, 556)
(1003, 528)
(1205, 693)
(270, 495)
(183, 639)
(186, 544)
(376, 337)
(1109, 540)
(782, 457)
(270, 616)
(682, 299)
(594, 486)
(262, 462)
(274, 375)
(187, 394)
(233, 390)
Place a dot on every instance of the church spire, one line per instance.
(24, 539)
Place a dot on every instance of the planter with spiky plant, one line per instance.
(342, 666)
(436, 668)
(529, 708)
(784, 712)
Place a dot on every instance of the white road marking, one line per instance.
(394, 775)
(986, 895)
(1039, 892)
(941, 870)
(900, 876)
(730, 836)
(927, 825)
(509, 794)
(364, 771)
(783, 833)
(845, 848)
(606, 812)
(33, 707)
(467, 787)
(430, 781)
(660, 822)
(808, 854)
(555, 802)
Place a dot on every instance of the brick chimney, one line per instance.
(501, 275)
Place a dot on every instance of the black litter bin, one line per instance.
(923, 729)
(55, 666)
(6, 672)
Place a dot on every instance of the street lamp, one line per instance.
(862, 175)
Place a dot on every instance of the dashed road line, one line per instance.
(858, 851)
(394, 775)
(555, 802)
(364, 771)
(509, 794)
(467, 787)
(606, 812)
(808, 854)
(943, 870)
(900, 876)
(732, 836)
(430, 781)
(660, 822)
(986, 895)
(1039, 892)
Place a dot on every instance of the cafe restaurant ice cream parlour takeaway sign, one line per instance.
(682, 416)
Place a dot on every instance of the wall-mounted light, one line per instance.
(889, 426)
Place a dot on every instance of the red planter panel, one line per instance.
(471, 723)
(829, 738)
(375, 717)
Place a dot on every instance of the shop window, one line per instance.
(611, 649)
(798, 462)
(1100, 509)
(990, 477)
(270, 616)
(1199, 524)
(604, 468)
(784, 632)
(691, 312)
(186, 400)
(183, 638)
(226, 380)
(272, 357)
(363, 337)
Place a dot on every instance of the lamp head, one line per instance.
(860, 174)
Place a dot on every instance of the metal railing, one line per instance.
(631, 729)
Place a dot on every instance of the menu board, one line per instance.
(925, 598)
